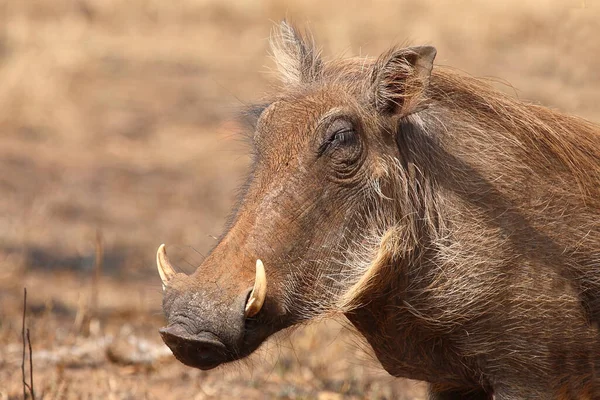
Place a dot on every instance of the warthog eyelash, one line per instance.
(344, 136)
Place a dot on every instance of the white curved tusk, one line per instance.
(259, 291)
(165, 269)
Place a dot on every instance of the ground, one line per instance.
(118, 126)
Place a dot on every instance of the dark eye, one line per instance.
(340, 133)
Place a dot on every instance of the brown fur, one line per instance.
(460, 234)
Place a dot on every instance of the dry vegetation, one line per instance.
(119, 116)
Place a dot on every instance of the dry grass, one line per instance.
(119, 116)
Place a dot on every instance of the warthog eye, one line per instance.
(340, 133)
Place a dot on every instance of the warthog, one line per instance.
(456, 228)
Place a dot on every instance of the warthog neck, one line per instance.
(407, 348)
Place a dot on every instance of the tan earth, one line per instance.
(119, 117)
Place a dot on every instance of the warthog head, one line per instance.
(319, 204)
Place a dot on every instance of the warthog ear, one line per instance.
(296, 55)
(400, 78)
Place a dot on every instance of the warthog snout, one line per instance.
(208, 327)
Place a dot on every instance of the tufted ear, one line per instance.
(400, 77)
(297, 58)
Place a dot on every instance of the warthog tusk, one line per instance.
(165, 269)
(259, 291)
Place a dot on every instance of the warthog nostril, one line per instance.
(203, 350)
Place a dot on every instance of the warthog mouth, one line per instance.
(203, 350)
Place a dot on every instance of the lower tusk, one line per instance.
(259, 291)
(165, 269)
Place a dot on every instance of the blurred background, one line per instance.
(119, 131)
